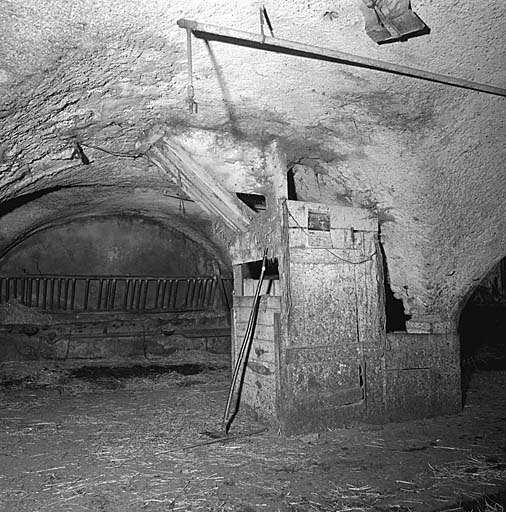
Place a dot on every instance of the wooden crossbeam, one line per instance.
(195, 181)
(273, 44)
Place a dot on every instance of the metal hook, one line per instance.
(262, 21)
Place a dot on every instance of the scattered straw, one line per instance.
(484, 471)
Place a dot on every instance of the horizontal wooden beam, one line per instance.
(196, 182)
(272, 44)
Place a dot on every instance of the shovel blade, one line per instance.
(392, 20)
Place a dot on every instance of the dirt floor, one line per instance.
(92, 440)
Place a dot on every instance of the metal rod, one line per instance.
(100, 293)
(51, 298)
(210, 286)
(86, 295)
(164, 293)
(138, 288)
(59, 292)
(145, 293)
(105, 294)
(113, 294)
(210, 292)
(133, 295)
(109, 292)
(37, 292)
(65, 302)
(206, 293)
(73, 294)
(176, 289)
(197, 294)
(211, 299)
(201, 287)
(125, 297)
(271, 44)
(242, 358)
(138, 295)
(157, 295)
(30, 292)
(44, 293)
(194, 296)
(187, 293)
(110, 284)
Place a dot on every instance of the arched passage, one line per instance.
(135, 270)
(482, 325)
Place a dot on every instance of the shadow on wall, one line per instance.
(116, 245)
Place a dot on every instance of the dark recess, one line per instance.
(292, 193)
(252, 269)
(396, 318)
(394, 308)
(255, 202)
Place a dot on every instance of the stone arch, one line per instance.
(198, 240)
(60, 207)
(469, 288)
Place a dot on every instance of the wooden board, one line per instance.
(198, 184)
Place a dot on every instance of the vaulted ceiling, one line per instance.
(427, 158)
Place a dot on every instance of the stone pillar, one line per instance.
(333, 318)
(422, 375)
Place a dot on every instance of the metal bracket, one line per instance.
(272, 44)
(264, 18)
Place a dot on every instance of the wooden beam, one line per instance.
(272, 44)
(195, 181)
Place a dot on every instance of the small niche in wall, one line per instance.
(396, 318)
(251, 274)
(255, 202)
(394, 308)
(290, 181)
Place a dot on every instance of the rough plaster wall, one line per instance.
(115, 245)
(427, 157)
